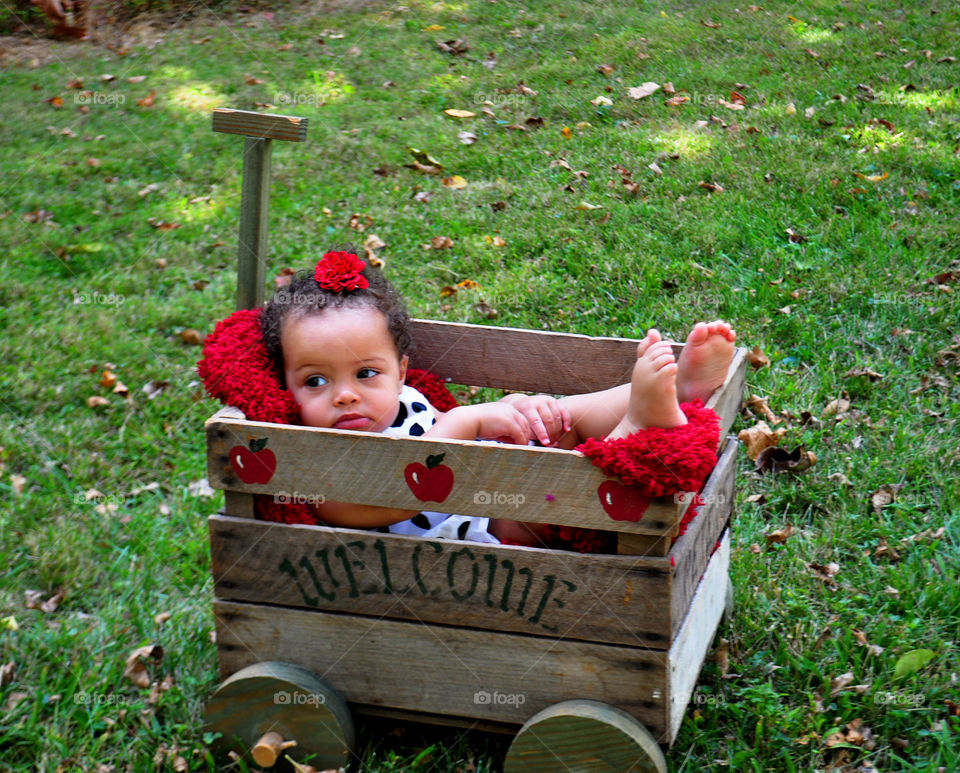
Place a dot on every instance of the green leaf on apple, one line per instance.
(258, 444)
(434, 460)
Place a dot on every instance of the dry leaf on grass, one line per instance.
(776, 459)
(643, 90)
(757, 358)
(780, 536)
(759, 437)
(884, 496)
(135, 670)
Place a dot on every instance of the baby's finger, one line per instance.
(540, 427)
(567, 420)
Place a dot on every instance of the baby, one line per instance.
(339, 338)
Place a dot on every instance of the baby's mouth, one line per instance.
(352, 421)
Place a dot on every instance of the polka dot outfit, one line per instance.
(415, 417)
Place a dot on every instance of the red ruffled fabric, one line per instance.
(662, 462)
(237, 370)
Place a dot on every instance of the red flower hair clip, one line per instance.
(341, 272)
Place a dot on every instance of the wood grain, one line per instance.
(542, 485)
(441, 669)
(285, 699)
(254, 222)
(524, 360)
(586, 737)
(692, 551)
(260, 125)
(691, 645)
(600, 598)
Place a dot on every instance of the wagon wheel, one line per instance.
(728, 602)
(275, 709)
(585, 736)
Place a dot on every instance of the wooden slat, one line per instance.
(643, 545)
(699, 626)
(254, 221)
(524, 360)
(260, 125)
(601, 598)
(542, 485)
(692, 550)
(237, 504)
(445, 670)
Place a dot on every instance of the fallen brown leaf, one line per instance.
(885, 495)
(779, 536)
(757, 358)
(135, 670)
(191, 337)
(759, 437)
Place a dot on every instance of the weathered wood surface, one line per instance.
(692, 550)
(441, 669)
(254, 222)
(541, 361)
(643, 545)
(601, 598)
(238, 505)
(542, 485)
(691, 645)
(260, 125)
(586, 737)
(285, 699)
(524, 360)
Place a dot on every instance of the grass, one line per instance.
(83, 290)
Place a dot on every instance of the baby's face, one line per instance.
(343, 369)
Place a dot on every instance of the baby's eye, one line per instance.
(367, 373)
(315, 381)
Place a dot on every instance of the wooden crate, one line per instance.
(460, 630)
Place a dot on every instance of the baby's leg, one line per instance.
(650, 400)
(703, 364)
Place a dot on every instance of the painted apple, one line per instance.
(622, 503)
(255, 464)
(430, 483)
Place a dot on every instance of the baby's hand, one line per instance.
(501, 421)
(547, 418)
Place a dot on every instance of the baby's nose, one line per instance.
(345, 396)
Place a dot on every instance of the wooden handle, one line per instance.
(269, 126)
(266, 751)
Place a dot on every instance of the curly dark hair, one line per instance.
(303, 296)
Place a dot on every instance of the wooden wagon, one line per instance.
(593, 657)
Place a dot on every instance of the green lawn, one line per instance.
(118, 226)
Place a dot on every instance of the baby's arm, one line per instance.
(496, 421)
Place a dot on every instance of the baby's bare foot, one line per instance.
(704, 361)
(653, 390)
